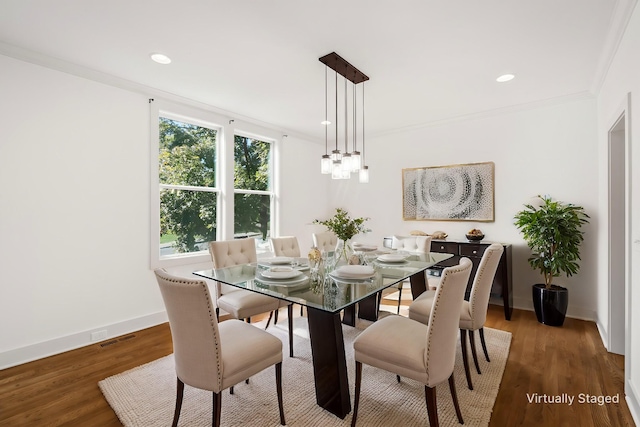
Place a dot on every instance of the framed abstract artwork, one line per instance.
(449, 193)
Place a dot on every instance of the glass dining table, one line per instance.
(326, 296)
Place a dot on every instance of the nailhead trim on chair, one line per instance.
(435, 308)
(211, 315)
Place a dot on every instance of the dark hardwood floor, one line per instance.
(63, 390)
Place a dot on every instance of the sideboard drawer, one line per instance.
(473, 251)
(444, 247)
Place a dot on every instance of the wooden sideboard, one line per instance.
(503, 281)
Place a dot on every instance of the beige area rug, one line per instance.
(145, 396)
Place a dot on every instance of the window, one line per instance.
(252, 189)
(211, 179)
(188, 194)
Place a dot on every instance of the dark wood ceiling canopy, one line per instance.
(342, 67)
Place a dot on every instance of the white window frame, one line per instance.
(271, 192)
(226, 128)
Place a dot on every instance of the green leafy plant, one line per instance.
(343, 226)
(553, 233)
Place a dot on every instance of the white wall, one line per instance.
(550, 150)
(74, 210)
(622, 79)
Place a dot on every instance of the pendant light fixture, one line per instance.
(344, 163)
(326, 163)
(355, 155)
(363, 176)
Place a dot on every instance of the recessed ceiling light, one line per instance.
(505, 78)
(160, 58)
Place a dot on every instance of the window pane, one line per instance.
(252, 216)
(187, 221)
(187, 154)
(252, 164)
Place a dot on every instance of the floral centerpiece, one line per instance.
(344, 227)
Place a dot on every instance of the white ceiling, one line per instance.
(427, 61)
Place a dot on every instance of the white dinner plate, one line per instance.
(353, 272)
(392, 258)
(362, 247)
(280, 274)
(284, 283)
(276, 260)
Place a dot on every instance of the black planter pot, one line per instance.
(550, 304)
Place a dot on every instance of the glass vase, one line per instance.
(343, 252)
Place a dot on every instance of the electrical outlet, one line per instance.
(99, 335)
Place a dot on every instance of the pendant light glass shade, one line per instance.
(336, 155)
(346, 163)
(356, 161)
(325, 164)
(364, 174)
(336, 170)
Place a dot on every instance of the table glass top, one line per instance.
(302, 285)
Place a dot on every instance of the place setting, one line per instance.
(393, 258)
(281, 275)
(351, 273)
(280, 261)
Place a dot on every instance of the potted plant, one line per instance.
(344, 227)
(553, 233)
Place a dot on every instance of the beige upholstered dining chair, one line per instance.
(240, 303)
(473, 313)
(210, 355)
(420, 244)
(286, 246)
(325, 241)
(424, 353)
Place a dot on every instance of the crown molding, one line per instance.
(81, 71)
(580, 96)
(617, 26)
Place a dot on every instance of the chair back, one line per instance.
(481, 288)
(442, 330)
(227, 253)
(326, 241)
(420, 244)
(194, 330)
(285, 246)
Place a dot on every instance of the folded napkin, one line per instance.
(354, 271)
(392, 257)
(364, 247)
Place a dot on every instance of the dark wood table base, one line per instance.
(329, 363)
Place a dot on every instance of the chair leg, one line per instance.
(356, 399)
(217, 314)
(454, 396)
(398, 378)
(179, 396)
(279, 391)
(217, 403)
(484, 344)
(275, 319)
(399, 296)
(472, 340)
(465, 360)
(432, 407)
(290, 320)
(231, 390)
(269, 319)
(301, 310)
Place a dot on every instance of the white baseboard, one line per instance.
(633, 401)
(604, 336)
(43, 349)
(574, 312)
